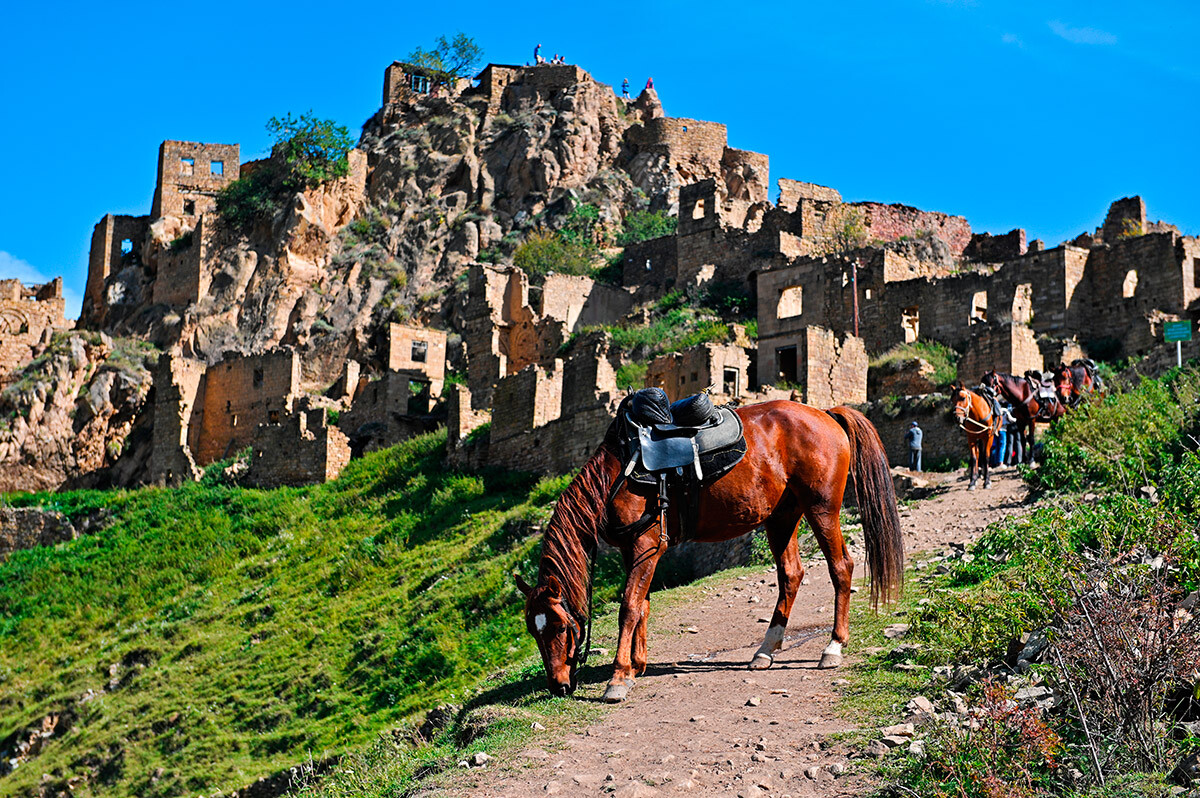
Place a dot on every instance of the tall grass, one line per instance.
(232, 633)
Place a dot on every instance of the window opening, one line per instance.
(785, 362)
(419, 351)
(791, 302)
(217, 168)
(910, 320)
(187, 166)
(729, 381)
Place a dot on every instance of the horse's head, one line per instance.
(1064, 383)
(990, 379)
(558, 633)
(960, 397)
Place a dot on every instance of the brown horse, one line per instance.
(797, 464)
(977, 418)
(1076, 380)
(1027, 406)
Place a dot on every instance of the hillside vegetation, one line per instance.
(211, 635)
(1072, 632)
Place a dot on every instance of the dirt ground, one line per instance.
(699, 722)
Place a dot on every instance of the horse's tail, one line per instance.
(872, 481)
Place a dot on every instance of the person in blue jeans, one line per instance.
(913, 439)
(1000, 446)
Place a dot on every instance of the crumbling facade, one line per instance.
(303, 449)
(207, 413)
(190, 174)
(722, 369)
(28, 316)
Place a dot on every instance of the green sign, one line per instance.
(1177, 331)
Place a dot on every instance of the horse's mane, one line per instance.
(579, 516)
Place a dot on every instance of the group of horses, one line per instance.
(1036, 397)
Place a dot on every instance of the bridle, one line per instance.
(963, 413)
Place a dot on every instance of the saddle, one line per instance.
(1044, 389)
(680, 447)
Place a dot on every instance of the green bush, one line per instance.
(307, 152)
(545, 252)
(631, 376)
(645, 225)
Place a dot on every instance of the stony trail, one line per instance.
(699, 722)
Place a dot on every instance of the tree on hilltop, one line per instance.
(449, 60)
(307, 152)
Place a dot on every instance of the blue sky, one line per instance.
(1032, 115)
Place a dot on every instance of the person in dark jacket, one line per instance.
(913, 439)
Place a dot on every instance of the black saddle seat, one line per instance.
(693, 411)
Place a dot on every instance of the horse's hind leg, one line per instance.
(826, 523)
(789, 569)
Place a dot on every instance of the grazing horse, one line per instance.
(979, 420)
(1027, 406)
(1075, 380)
(797, 464)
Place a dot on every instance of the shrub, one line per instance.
(645, 225)
(307, 152)
(631, 376)
(545, 252)
(943, 359)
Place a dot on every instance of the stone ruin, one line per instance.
(29, 315)
(205, 413)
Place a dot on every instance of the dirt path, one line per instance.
(699, 722)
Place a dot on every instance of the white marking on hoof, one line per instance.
(616, 693)
(772, 642)
(539, 621)
(831, 657)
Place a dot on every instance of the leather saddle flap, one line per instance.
(661, 452)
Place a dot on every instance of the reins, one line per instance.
(983, 426)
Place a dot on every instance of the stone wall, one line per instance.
(419, 352)
(826, 371)
(892, 222)
(1004, 346)
(724, 367)
(241, 392)
(189, 176)
(178, 399)
(28, 527)
(994, 249)
(182, 279)
(301, 450)
(117, 243)
(27, 316)
(792, 191)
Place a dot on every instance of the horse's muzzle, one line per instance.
(561, 689)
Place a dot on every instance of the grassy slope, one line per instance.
(271, 624)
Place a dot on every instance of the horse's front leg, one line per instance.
(646, 551)
(987, 444)
(973, 460)
(640, 648)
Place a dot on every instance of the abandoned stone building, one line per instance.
(28, 316)
(401, 402)
(543, 418)
(207, 413)
(722, 369)
(507, 326)
(190, 174)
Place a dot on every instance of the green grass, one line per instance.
(248, 630)
(943, 359)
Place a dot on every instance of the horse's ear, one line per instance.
(553, 586)
(522, 585)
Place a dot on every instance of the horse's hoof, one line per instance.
(616, 693)
(987, 484)
(761, 662)
(829, 661)
(971, 486)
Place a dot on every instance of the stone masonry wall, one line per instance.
(891, 222)
(419, 351)
(1002, 345)
(26, 316)
(241, 392)
(181, 278)
(682, 374)
(302, 450)
(116, 243)
(28, 527)
(190, 189)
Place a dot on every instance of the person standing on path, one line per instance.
(1000, 450)
(913, 439)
